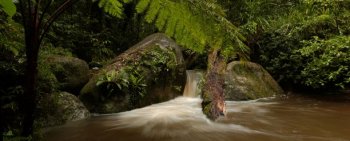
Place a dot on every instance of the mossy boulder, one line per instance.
(71, 73)
(248, 80)
(149, 72)
(59, 108)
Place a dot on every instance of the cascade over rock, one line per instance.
(194, 83)
(151, 71)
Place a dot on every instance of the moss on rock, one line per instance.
(135, 77)
(247, 80)
(59, 108)
(71, 73)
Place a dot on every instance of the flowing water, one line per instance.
(193, 79)
(291, 118)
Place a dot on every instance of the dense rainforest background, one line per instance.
(303, 44)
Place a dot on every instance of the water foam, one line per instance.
(175, 118)
(256, 106)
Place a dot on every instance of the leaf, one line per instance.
(153, 10)
(119, 86)
(142, 5)
(9, 7)
(98, 83)
(113, 7)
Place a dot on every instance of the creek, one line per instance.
(294, 117)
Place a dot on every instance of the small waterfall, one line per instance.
(192, 88)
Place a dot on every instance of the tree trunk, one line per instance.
(35, 30)
(29, 99)
(30, 93)
(213, 94)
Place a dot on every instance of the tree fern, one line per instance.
(194, 24)
(142, 5)
(113, 7)
(197, 25)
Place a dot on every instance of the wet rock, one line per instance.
(149, 72)
(247, 80)
(59, 108)
(71, 73)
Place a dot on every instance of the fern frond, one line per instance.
(162, 19)
(113, 7)
(194, 24)
(153, 10)
(142, 5)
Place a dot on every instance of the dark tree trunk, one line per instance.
(213, 94)
(30, 92)
(35, 29)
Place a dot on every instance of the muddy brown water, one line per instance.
(292, 118)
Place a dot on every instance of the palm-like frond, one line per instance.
(194, 24)
(113, 7)
(8, 7)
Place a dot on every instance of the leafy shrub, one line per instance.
(11, 40)
(128, 80)
(303, 51)
(11, 75)
(327, 62)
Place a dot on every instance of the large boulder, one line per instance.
(149, 72)
(59, 108)
(71, 73)
(247, 80)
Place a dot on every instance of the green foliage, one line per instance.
(128, 80)
(48, 82)
(94, 36)
(297, 48)
(204, 24)
(11, 75)
(323, 25)
(113, 7)
(73, 34)
(165, 59)
(8, 7)
(342, 21)
(325, 6)
(11, 40)
(134, 78)
(327, 62)
(9, 98)
(51, 51)
(241, 12)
